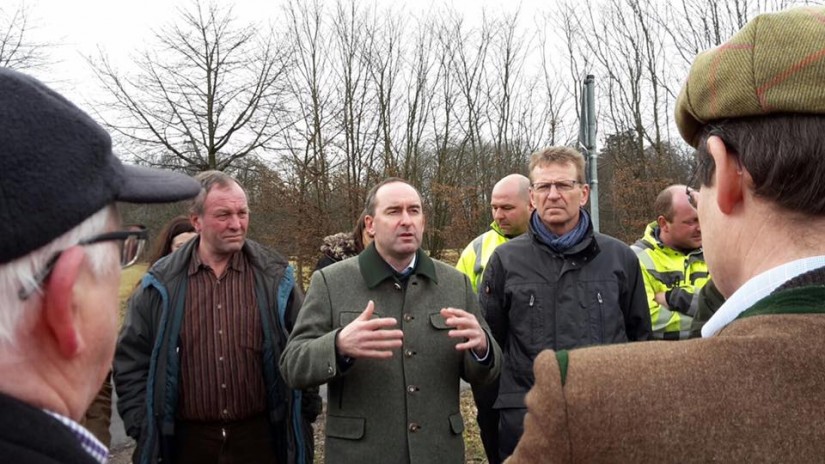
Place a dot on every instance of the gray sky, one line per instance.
(79, 28)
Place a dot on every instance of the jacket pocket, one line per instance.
(457, 423)
(438, 321)
(601, 301)
(348, 428)
(528, 311)
(345, 317)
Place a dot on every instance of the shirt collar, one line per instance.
(410, 267)
(375, 270)
(91, 445)
(236, 262)
(756, 289)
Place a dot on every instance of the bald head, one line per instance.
(510, 204)
(677, 219)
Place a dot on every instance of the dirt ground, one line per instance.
(473, 453)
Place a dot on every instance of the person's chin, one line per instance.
(407, 248)
(555, 216)
(233, 246)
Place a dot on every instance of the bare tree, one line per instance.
(17, 49)
(206, 95)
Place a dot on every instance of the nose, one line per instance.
(554, 192)
(405, 217)
(498, 214)
(234, 222)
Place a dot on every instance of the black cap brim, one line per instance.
(148, 185)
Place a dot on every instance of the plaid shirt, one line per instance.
(757, 288)
(87, 441)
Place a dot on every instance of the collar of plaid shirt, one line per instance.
(87, 441)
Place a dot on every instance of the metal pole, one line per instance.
(587, 134)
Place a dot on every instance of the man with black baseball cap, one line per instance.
(61, 250)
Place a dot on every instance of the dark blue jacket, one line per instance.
(146, 367)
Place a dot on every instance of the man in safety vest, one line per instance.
(511, 208)
(673, 264)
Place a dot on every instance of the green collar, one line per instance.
(375, 270)
(800, 300)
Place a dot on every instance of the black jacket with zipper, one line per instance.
(535, 299)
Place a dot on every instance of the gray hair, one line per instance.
(23, 271)
(208, 180)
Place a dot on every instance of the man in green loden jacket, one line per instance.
(392, 332)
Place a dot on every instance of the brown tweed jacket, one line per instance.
(753, 393)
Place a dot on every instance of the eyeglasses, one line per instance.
(131, 243)
(692, 197)
(561, 186)
(692, 189)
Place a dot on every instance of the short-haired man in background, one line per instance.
(61, 250)
(561, 285)
(751, 390)
(196, 368)
(673, 264)
(510, 205)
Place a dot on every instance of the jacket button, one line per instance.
(409, 353)
(412, 389)
(408, 317)
(330, 370)
(414, 427)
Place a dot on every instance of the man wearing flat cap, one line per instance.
(61, 250)
(751, 389)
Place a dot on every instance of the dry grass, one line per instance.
(129, 279)
(473, 450)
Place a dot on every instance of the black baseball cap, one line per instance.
(57, 168)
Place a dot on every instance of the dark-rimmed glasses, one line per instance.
(692, 189)
(131, 241)
(544, 188)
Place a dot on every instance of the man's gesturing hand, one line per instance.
(466, 327)
(367, 338)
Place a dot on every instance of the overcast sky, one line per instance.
(77, 28)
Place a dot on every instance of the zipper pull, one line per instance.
(532, 300)
(599, 297)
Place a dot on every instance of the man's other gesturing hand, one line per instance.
(369, 338)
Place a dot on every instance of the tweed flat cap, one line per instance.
(775, 64)
(58, 168)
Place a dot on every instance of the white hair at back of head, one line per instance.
(23, 271)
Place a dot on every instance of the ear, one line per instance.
(369, 222)
(585, 195)
(59, 314)
(662, 222)
(728, 176)
(196, 222)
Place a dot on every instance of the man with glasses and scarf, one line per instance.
(61, 250)
(751, 389)
(561, 285)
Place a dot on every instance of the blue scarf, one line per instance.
(560, 244)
